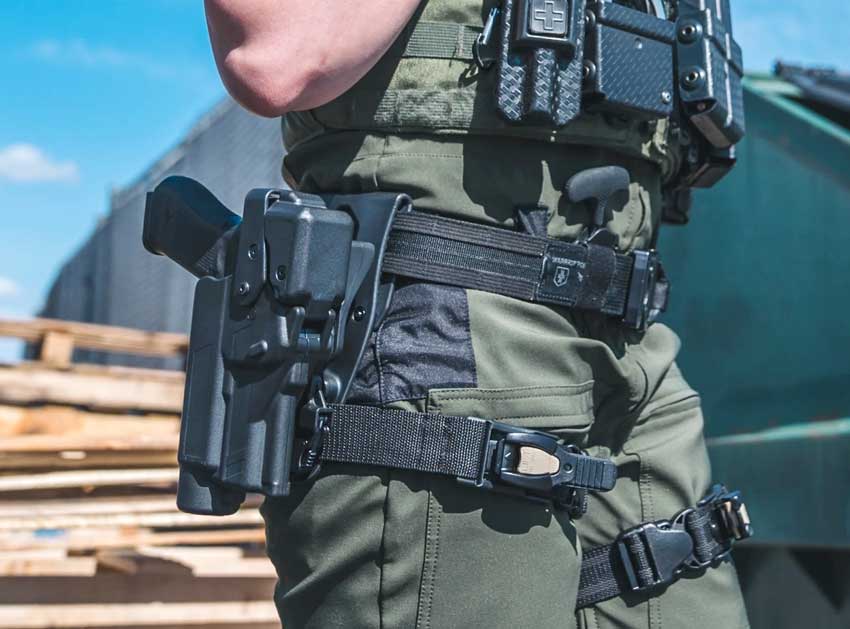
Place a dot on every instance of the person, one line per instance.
(386, 96)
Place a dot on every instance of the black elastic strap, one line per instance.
(533, 268)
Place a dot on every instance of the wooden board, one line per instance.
(92, 388)
(98, 506)
(46, 567)
(77, 540)
(57, 348)
(129, 441)
(109, 587)
(87, 506)
(244, 613)
(92, 478)
(82, 459)
(47, 452)
(95, 337)
(66, 420)
(172, 519)
(96, 545)
(219, 562)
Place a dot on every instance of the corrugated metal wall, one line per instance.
(113, 280)
(760, 276)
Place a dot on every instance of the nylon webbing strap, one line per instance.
(442, 40)
(463, 447)
(603, 576)
(480, 257)
(424, 442)
(656, 554)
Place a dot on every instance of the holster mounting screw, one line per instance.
(689, 32)
(693, 77)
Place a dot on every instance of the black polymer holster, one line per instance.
(285, 303)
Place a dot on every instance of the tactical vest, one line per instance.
(424, 121)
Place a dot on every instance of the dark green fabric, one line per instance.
(363, 548)
(391, 550)
(424, 120)
(441, 40)
(424, 83)
(479, 178)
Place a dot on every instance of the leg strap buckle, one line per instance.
(538, 466)
(654, 554)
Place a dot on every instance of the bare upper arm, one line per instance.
(276, 56)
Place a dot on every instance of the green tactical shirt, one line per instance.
(423, 121)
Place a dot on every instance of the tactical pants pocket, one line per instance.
(493, 560)
(563, 410)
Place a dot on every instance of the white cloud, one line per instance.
(25, 162)
(8, 288)
(81, 53)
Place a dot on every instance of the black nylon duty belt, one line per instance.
(483, 453)
(656, 554)
(581, 275)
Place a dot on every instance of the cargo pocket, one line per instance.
(563, 410)
(493, 560)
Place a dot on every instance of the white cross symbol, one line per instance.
(549, 15)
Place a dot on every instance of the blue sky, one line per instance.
(93, 91)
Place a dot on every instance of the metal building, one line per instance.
(113, 280)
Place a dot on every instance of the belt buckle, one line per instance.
(646, 271)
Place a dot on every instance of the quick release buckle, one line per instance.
(648, 290)
(669, 548)
(539, 467)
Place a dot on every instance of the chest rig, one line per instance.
(635, 59)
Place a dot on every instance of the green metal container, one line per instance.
(761, 299)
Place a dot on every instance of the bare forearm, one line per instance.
(276, 56)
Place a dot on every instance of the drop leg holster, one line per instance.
(287, 299)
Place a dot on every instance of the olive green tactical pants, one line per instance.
(373, 548)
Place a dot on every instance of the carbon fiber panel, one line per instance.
(540, 74)
(637, 22)
(630, 62)
(710, 67)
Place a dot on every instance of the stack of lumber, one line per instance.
(89, 532)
